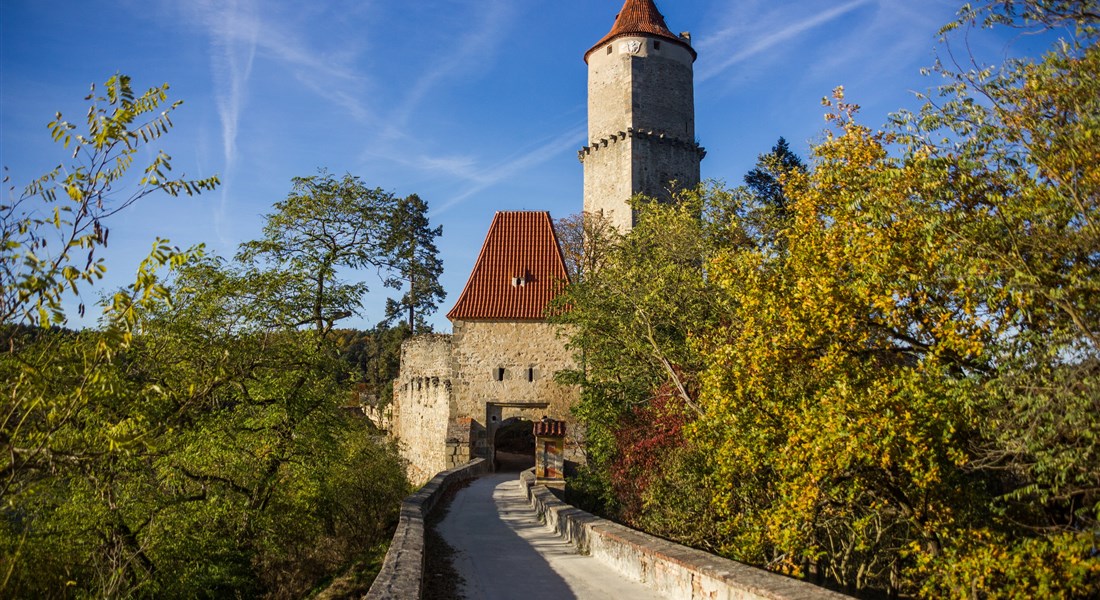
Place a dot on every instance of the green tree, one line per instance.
(325, 224)
(194, 444)
(633, 315)
(50, 233)
(765, 180)
(67, 421)
(411, 243)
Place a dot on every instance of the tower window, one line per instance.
(656, 45)
(530, 374)
(609, 48)
(498, 374)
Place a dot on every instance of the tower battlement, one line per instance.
(654, 136)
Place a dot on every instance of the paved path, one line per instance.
(504, 552)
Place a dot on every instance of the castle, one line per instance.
(456, 392)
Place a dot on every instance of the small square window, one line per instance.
(498, 374)
(656, 45)
(609, 48)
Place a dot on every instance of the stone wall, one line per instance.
(422, 404)
(641, 125)
(507, 370)
(607, 183)
(453, 391)
(673, 570)
(402, 573)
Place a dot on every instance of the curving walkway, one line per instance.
(503, 551)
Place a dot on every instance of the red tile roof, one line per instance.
(639, 17)
(549, 428)
(520, 269)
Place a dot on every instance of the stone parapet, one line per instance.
(640, 134)
(671, 569)
(402, 574)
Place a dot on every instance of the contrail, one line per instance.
(767, 42)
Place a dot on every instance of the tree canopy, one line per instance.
(196, 444)
(896, 391)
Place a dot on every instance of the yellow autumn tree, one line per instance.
(908, 398)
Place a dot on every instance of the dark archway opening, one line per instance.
(514, 445)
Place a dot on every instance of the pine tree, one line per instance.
(416, 262)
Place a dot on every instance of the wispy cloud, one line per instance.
(240, 33)
(480, 180)
(761, 44)
(234, 34)
(479, 40)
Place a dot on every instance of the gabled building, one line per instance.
(455, 392)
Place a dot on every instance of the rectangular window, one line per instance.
(530, 374)
(609, 48)
(498, 374)
(656, 45)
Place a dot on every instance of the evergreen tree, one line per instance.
(765, 180)
(411, 242)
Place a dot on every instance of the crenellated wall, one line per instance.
(422, 404)
(453, 391)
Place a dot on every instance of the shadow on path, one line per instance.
(503, 551)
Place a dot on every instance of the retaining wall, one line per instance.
(671, 569)
(402, 573)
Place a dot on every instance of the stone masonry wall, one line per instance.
(507, 370)
(607, 186)
(641, 125)
(422, 404)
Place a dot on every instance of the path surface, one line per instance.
(503, 551)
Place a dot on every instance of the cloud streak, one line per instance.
(769, 41)
(233, 52)
(242, 31)
(479, 39)
(482, 180)
(234, 34)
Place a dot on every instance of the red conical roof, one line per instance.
(639, 17)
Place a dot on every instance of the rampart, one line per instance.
(402, 574)
(671, 569)
(422, 409)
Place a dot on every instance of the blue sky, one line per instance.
(475, 105)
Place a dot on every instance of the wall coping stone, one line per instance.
(667, 567)
(402, 573)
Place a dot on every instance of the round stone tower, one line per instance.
(641, 114)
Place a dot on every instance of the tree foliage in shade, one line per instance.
(194, 444)
(411, 243)
(765, 180)
(375, 357)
